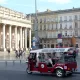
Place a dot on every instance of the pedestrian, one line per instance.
(74, 54)
(16, 52)
(20, 53)
(8, 51)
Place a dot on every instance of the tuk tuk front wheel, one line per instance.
(60, 73)
(28, 71)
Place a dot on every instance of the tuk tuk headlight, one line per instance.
(65, 67)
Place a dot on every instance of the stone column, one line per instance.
(16, 37)
(4, 37)
(21, 37)
(26, 38)
(29, 38)
(10, 38)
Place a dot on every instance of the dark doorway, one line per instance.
(40, 46)
(52, 45)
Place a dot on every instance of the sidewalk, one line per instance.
(12, 56)
(5, 57)
(78, 64)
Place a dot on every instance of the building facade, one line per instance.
(13, 29)
(52, 23)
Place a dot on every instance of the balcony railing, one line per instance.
(68, 36)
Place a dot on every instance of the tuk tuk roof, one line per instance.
(36, 51)
(50, 50)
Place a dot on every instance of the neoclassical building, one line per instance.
(14, 28)
(51, 23)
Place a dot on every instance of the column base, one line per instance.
(10, 49)
(25, 49)
(4, 49)
(16, 48)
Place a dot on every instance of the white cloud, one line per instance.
(3, 1)
(58, 1)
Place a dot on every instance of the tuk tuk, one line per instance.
(52, 60)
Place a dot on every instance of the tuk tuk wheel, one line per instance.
(28, 71)
(59, 73)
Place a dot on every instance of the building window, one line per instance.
(40, 41)
(60, 18)
(48, 45)
(40, 20)
(71, 33)
(70, 18)
(70, 27)
(75, 17)
(77, 46)
(52, 27)
(44, 27)
(65, 18)
(56, 26)
(65, 33)
(76, 33)
(60, 26)
(48, 26)
(76, 25)
(40, 27)
(66, 26)
(44, 20)
(44, 41)
(48, 41)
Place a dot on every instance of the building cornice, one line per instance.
(56, 12)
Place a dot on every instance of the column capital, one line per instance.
(29, 28)
(4, 24)
(10, 25)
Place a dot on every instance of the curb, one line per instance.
(76, 72)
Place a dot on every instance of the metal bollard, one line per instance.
(13, 62)
(6, 63)
(20, 61)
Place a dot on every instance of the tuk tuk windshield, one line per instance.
(66, 59)
(69, 59)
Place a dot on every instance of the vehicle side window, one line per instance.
(69, 59)
(32, 56)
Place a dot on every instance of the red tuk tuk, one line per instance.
(51, 60)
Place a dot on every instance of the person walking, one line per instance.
(8, 53)
(74, 54)
(16, 52)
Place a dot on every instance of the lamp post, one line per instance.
(35, 40)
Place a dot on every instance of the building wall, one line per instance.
(66, 22)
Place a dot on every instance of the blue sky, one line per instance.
(28, 6)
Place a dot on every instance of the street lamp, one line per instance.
(35, 38)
